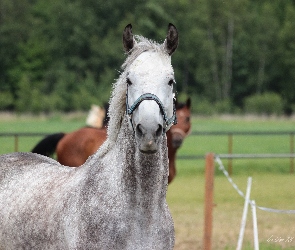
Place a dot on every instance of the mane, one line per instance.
(117, 103)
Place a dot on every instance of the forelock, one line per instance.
(143, 44)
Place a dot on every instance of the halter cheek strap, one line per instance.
(148, 96)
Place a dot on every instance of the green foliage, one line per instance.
(6, 100)
(70, 51)
(223, 107)
(202, 106)
(264, 104)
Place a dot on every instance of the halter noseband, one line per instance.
(148, 96)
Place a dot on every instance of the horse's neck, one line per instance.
(144, 174)
(171, 149)
(152, 173)
(141, 179)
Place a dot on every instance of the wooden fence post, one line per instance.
(209, 186)
(15, 143)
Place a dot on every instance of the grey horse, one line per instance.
(117, 199)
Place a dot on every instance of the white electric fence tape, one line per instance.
(221, 167)
(245, 212)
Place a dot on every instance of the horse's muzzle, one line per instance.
(177, 142)
(148, 138)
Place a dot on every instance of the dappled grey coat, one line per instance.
(116, 200)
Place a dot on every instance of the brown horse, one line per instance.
(177, 133)
(73, 149)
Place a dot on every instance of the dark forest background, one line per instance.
(234, 56)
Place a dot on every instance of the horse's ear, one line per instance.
(128, 40)
(171, 41)
(188, 102)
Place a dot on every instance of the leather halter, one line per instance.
(148, 96)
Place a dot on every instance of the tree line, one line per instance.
(233, 56)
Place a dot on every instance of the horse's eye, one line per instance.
(187, 119)
(170, 83)
(128, 82)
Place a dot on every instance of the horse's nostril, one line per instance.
(159, 131)
(139, 131)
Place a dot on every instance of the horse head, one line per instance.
(150, 79)
(183, 126)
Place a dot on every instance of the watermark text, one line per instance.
(276, 239)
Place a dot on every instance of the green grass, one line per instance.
(28, 124)
(50, 124)
(249, 144)
(272, 184)
(242, 124)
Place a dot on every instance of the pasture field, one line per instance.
(186, 202)
(272, 184)
(30, 124)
